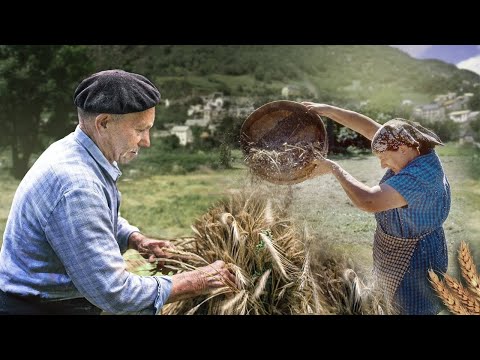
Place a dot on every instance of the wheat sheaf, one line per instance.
(278, 269)
(460, 300)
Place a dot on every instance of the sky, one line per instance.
(464, 56)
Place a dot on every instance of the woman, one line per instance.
(410, 204)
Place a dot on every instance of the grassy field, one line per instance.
(166, 205)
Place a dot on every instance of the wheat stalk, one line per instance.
(466, 297)
(451, 301)
(469, 271)
(261, 283)
(276, 255)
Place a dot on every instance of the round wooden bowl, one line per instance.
(279, 125)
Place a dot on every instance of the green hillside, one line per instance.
(345, 74)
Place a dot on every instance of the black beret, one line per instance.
(116, 92)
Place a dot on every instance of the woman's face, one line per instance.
(394, 160)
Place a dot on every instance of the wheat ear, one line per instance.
(469, 272)
(453, 304)
(466, 297)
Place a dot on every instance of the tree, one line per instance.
(127, 57)
(36, 87)
(346, 137)
(171, 142)
(475, 126)
(225, 156)
(447, 130)
(474, 103)
(228, 131)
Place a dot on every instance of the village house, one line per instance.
(463, 115)
(430, 112)
(184, 134)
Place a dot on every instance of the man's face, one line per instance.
(127, 134)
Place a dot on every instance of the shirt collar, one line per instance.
(94, 151)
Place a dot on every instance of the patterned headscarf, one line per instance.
(398, 132)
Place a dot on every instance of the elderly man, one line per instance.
(64, 238)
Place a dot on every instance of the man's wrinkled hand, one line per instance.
(217, 275)
(202, 281)
(156, 250)
(207, 278)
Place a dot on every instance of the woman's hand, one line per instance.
(322, 166)
(320, 109)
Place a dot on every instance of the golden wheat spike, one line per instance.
(466, 297)
(469, 271)
(227, 307)
(276, 256)
(451, 301)
(261, 284)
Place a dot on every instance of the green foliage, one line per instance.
(225, 157)
(170, 142)
(127, 57)
(203, 139)
(334, 73)
(176, 113)
(165, 156)
(342, 140)
(348, 138)
(474, 103)
(229, 128)
(447, 130)
(475, 126)
(36, 86)
(174, 88)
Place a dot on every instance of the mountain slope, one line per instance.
(345, 74)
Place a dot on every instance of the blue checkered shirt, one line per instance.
(425, 187)
(64, 237)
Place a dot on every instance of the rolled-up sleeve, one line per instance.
(124, 231)
(80, 231)
(164, 290)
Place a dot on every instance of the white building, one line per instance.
(197, 122)
(463, 115)
(430, 112)
(184, 134)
